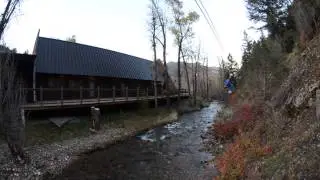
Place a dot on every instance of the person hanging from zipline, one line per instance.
(229, 84)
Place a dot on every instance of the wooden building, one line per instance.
(72, 68)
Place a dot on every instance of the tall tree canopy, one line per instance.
(272, 13)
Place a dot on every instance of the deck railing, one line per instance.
(62, 94)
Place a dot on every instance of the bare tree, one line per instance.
(9, 10)
(222, 74)
(162, 22)
(196, 70)
(153, 30)
(12, 99)
(182, 30)
(203, 84)
(207, 78)
(186, 70)
(11, 95)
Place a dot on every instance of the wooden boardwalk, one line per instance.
(73, 103)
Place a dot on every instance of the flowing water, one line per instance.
(173, 151)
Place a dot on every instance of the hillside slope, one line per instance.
(290, 125)
(293, 128)
(277, 138)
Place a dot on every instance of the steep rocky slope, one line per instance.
(280, 138)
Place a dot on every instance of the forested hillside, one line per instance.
(274, 132)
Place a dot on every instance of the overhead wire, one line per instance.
(209, 22)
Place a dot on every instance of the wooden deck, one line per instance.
(56, 104)
(49, 98)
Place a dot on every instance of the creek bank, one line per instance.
(187, 106)
(172, 151)
(54, 157)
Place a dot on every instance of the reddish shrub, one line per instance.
(267, 150)
(231, 164)
(241, 120)
(226, 129)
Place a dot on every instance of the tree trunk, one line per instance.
(155, 70)
(195, 85)
(179, 72)
(187, 74)
(11, 96)
(7, 14)
(166, 74)
(15, 137)
(155, 82)
(203, 91)
(192, 76)
(207, 79)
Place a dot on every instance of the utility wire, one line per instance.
(209, 22)
(208, 17)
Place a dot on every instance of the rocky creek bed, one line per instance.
(50, 159)
(172, 151)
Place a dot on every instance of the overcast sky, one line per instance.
(120, 25)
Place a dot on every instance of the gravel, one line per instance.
(53, 158)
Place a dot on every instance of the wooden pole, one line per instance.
(95, 118)
(114, 93)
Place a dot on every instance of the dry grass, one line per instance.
(46, 133)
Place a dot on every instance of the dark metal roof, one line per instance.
(68, 58)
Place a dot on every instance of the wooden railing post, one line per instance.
(34, 93)
(61, 95)
(114, 93)
(81, 94)
(127, 93)
(41, 95)
(98, 93)
(138, 93)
